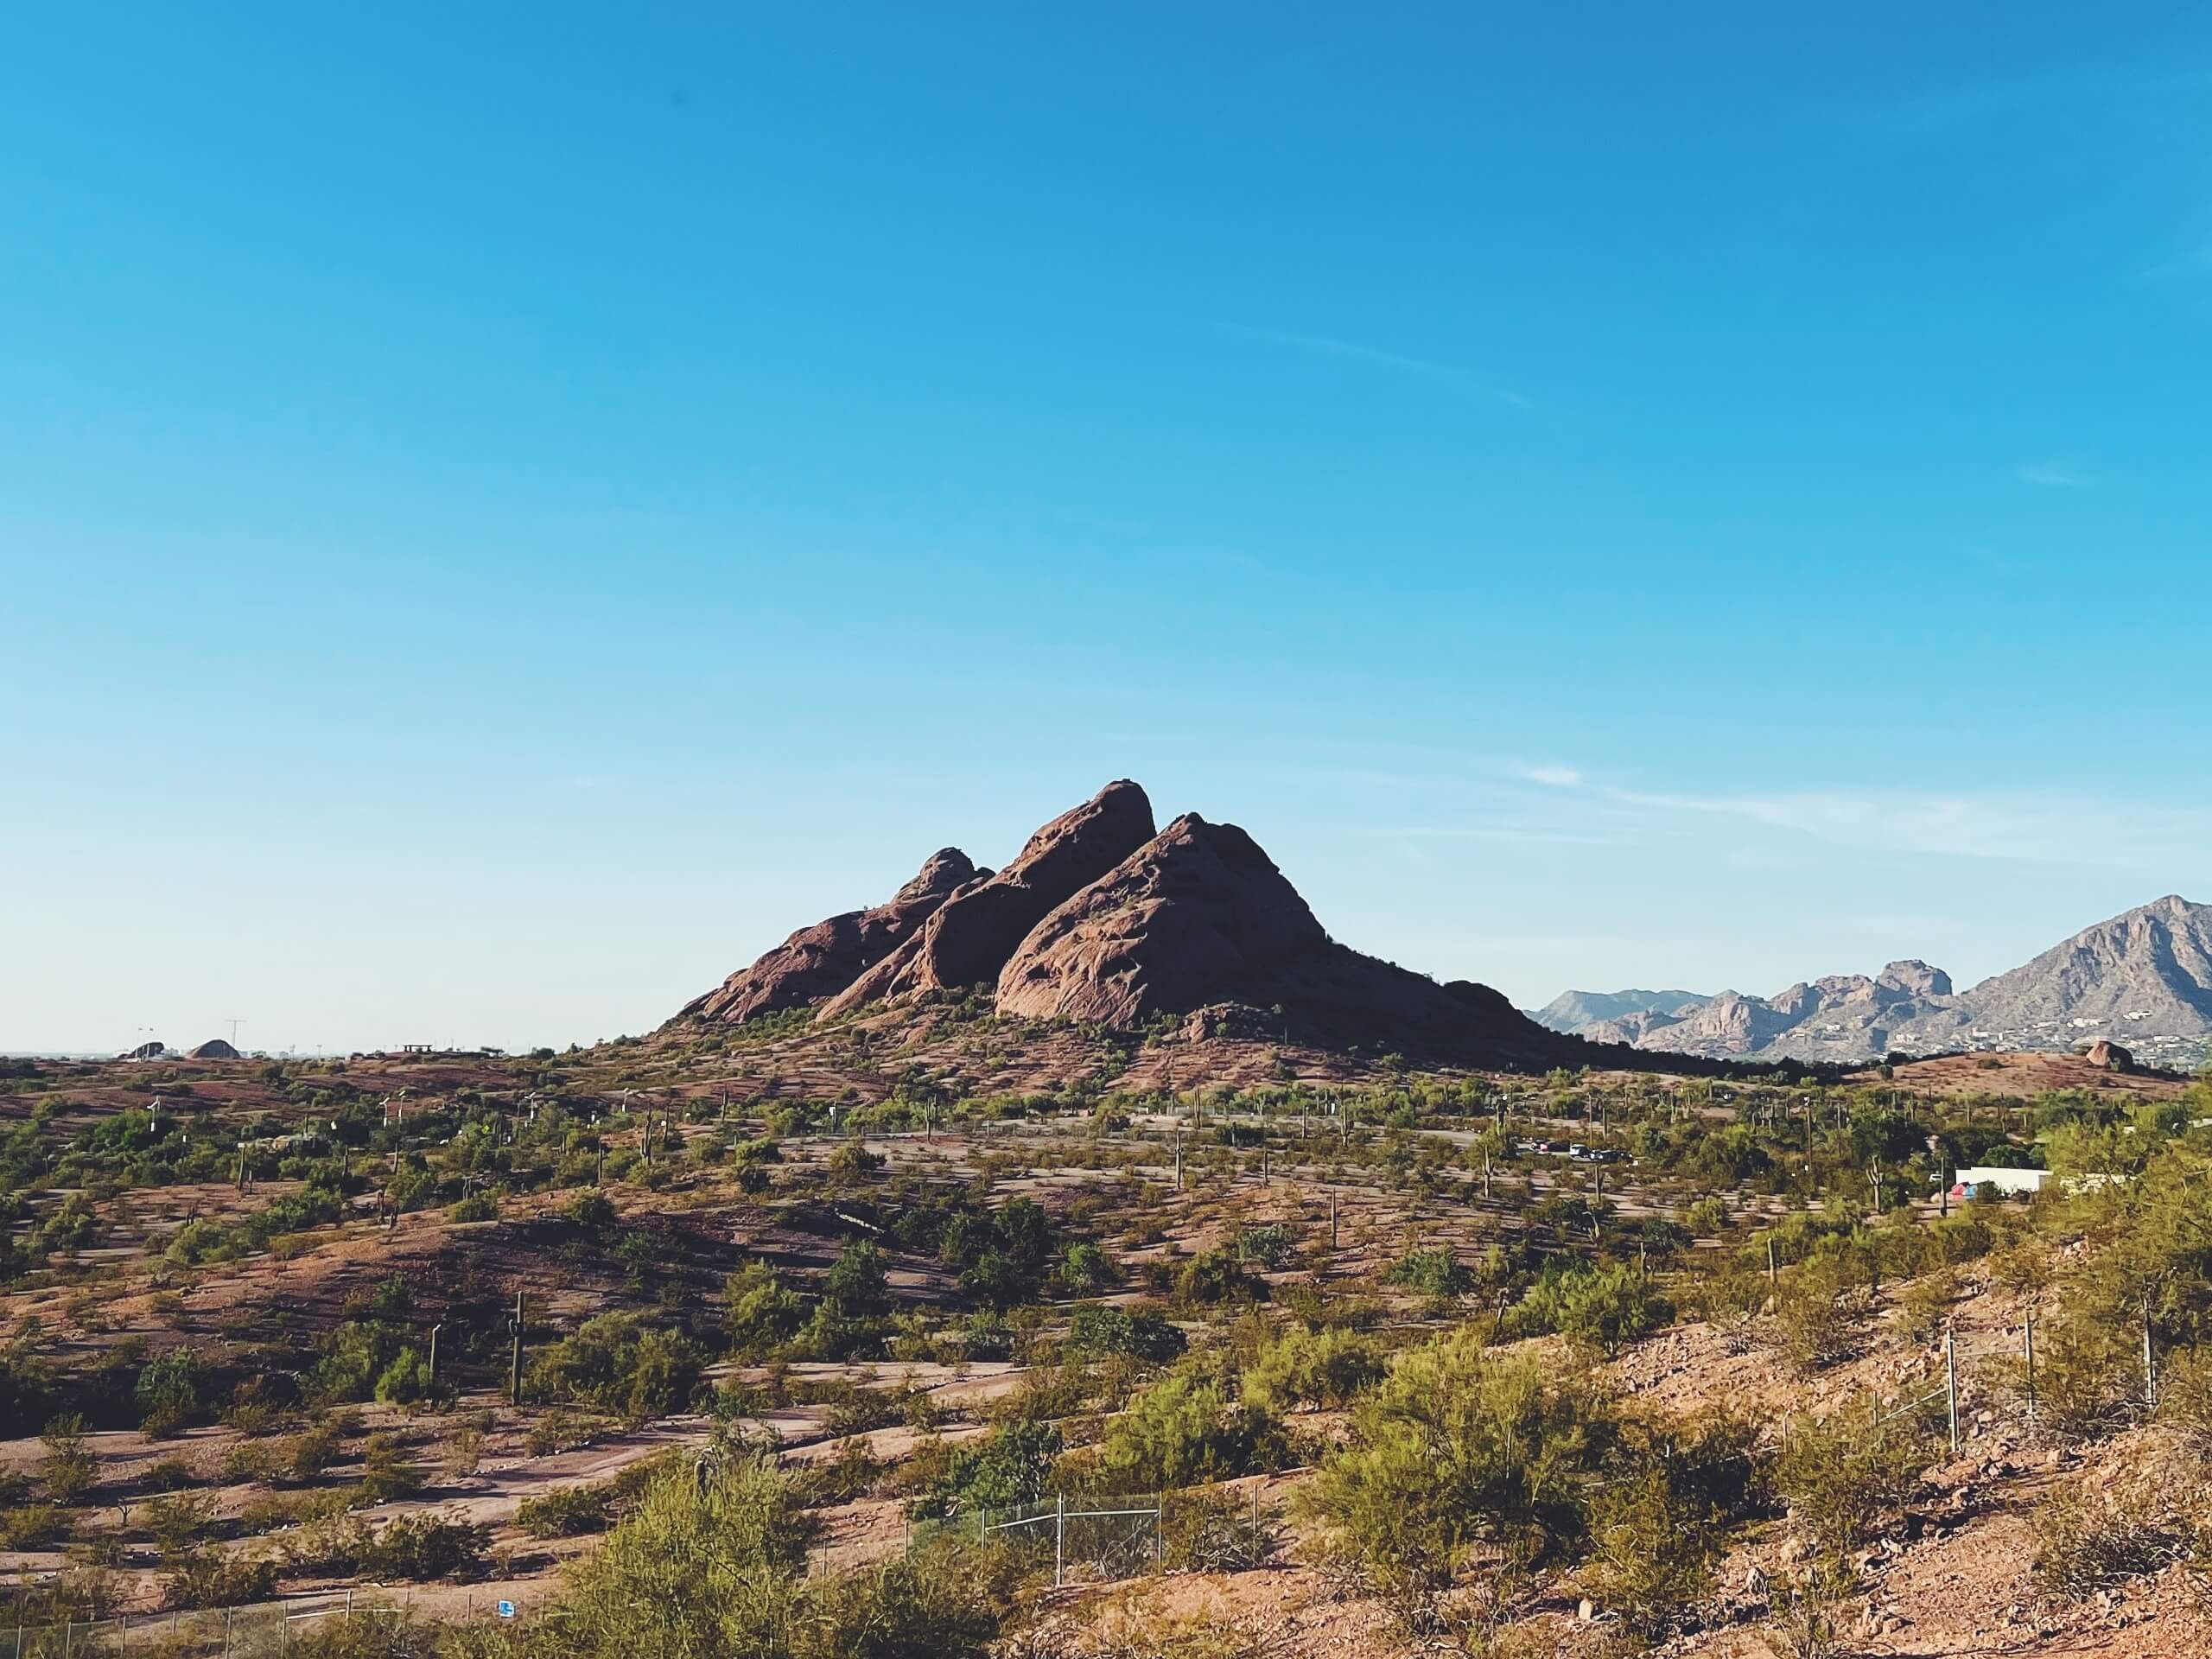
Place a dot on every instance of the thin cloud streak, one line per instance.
(2054, 476)
(1444, 374)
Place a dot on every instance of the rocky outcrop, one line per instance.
(1200, 918)
(2108, 1056)
(968, 940)
(818, 961)
(214, 1049)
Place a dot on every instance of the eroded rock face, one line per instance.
(1199, 917)
(820, 960)
(1198, 914)
(968, 940)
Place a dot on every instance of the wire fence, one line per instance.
(265, 1629)
(1104, 1538)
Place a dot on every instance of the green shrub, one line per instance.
(1436, 1273)
(1460, 1448)
(620, 1365)
(762, 1313)
(1599, 1306)
(1011, 1466)
(1311, 1368)
(1100, 1330)
(171, 1391)
(1185, 1429)
(1844, 1474)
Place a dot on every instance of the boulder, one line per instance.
(2108, 1056)
(820, 960)
(968, 939)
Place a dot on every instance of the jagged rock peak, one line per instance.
(968, 939)
(819, 962)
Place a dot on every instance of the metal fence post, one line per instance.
(1060, 1541)
(2150, 1363)
(1951, 1385)
(2031, 1366)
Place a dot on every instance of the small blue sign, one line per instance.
(506, 1610)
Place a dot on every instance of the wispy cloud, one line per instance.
(1955, 110)
(1555, 777)
(1559, 804)
(1457, 380)
(2054, 475)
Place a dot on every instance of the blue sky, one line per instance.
(506, 511)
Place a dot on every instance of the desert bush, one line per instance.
(1707, 1217)
(32, 1526)
(477, 1206)
(1012, 1464)
(1101, 1329)
(1599, 1306)
(426, 1546)
(1086, 1270)
(1185, 1429)
(253, 1460)
(562, 1511)
(387, 1472)
(1268, 1246)
(761, 1312)
(1845, 1473)
(171, 1392)
(2094, 1532)
(68, 1471)
(1460, 1448)
(1311, 1368)
(620, 1365)
(307, 1453)
(1436, 1273)
(207, 1577)
(1216, 1276)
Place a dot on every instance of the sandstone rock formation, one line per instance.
(820, 960)
(1200, 918)
(1100, 919)
(969, 937)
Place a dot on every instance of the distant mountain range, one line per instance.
(2143, 979)
(1573, 1010)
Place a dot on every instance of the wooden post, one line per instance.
(1333, 1221)
(2030, 1345)
(2150, 1360)
(1773, 1267)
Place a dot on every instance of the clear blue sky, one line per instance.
(506, 511)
